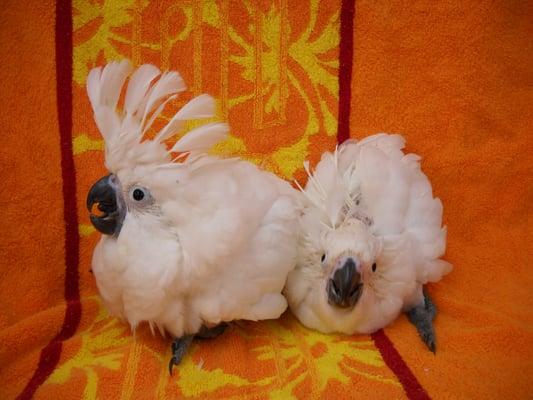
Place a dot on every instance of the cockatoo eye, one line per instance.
(374, 266)
(138, 194)
(323, 258)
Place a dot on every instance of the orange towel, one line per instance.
(453, 77)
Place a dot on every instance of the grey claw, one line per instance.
(179, 348)
(431, 346)
(171, 364)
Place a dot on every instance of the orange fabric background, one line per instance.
(32, 259)
(454, 78)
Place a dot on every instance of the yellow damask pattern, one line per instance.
(275, 66)
(289, 360)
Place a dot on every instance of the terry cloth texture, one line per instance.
(293, 78)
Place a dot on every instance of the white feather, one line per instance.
(170, 83)
(139, 86)
(202, 138)
(104, 88)
(107, 122)
(93, 86)
(156, 113)
(200, 107)
(111, 80)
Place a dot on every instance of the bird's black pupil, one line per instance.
(323, 257)
(138, 194)
(374, 266)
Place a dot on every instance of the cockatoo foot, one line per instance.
(210, 333)
(182, 344)
(422, 317)
(179, 349)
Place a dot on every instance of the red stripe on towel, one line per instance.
(345, 69)
(50, 354)
(390, 355)
(395, 362)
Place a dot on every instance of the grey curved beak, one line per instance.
(345, 287)
(106, 194)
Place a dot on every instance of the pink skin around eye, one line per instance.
(359, 267)
(365, 270)
(365, 273)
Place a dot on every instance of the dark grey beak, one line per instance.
(345, 288)
(106, 194)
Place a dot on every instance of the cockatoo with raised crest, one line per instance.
(371, 237)
(192, 242)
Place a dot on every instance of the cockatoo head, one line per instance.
(338, 253)
(342, 260)
(348, 259)
(138, 192)
(142, 172)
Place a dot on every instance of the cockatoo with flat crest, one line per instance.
(371, 237)
(192, 242)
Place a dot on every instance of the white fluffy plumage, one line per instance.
(212, 239)
(369, 201)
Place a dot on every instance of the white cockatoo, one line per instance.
(192, 242)
(370, 238)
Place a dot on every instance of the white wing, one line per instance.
(399, 198)
(239, 233)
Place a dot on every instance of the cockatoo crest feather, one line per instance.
(147, 93)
